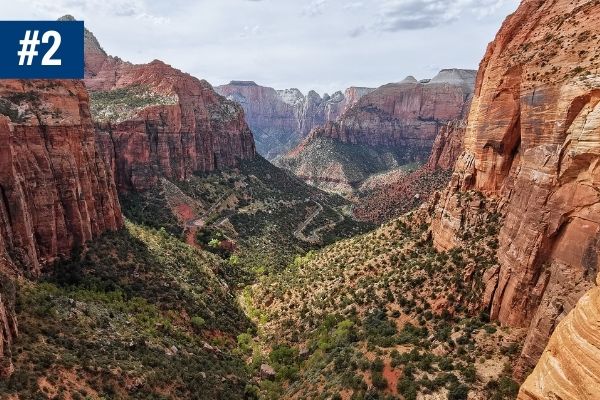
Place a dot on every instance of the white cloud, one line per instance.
(108, 8)
(326, 45)
(314, 8)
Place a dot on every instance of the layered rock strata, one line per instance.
(395, 125)
(155, 121)
(533, 142)
(56, 190)
(570, 365)
(280, 119)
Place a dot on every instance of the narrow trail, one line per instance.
(314, 236)
(192, 225)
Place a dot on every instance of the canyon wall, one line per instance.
(56, 190)
(280, 119)
(448, 146)
(570, 366)
(272, 119)
(408, 113)
(533, 142)
(154, 120)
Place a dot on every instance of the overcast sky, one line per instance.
(324, 45)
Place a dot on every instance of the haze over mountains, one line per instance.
(147, 251)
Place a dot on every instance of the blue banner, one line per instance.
(41, 49)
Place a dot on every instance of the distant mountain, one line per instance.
(280, 119)
(394, 126)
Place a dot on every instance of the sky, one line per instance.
(325, 45)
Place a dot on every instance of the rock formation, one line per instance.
(272, 119)
(570, 366)
(398, 123)
(447, 147)
(56, 191)
(407, 114)
(280, 119)
(154, 120)
(533, 142)
(399, 192)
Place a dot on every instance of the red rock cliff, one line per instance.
(155, 120)
(56, 191)
(533, 142)
(408, 113)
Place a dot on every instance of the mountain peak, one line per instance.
(67, 17)
(243, 83)
(409, 79)
(455, 76)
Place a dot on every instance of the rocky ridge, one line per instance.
(280, 119)
(156, 121)
(532, 143)
(403, 118)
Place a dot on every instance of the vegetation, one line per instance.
(121, 104)
(357, 162)
(139, 315)
(254, 212)
(385, 314)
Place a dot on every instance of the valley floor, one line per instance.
(207, 295)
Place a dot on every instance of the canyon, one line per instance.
(237, 279)
(398, 192)
(280, 119)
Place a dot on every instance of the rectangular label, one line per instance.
(41, 49)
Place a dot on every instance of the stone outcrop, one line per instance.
(272, 119)
(156, 121)
(533, 142)
(280, 119)
(570, 365)
(447, 147)
(394, 125)
(56, 190)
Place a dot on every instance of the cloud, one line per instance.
(353, 5)
(314, 8)
(251, 30)
(137, 9)
(396, 15)
(358, 31)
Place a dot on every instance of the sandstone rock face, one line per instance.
(280, 119)
(570, 365)
(154, 120)
(272, 119)
(399, 121)
(448, 146)
(533, 142)
(405, 113)
(56, 190)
